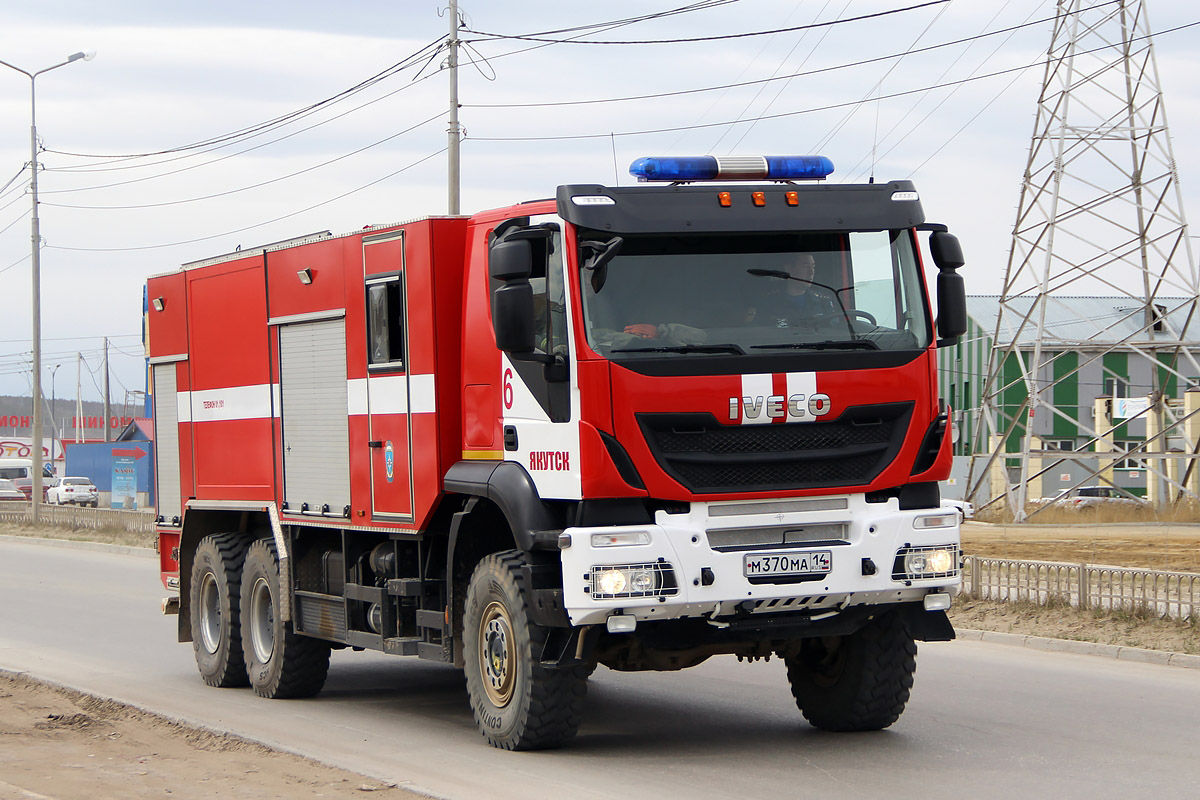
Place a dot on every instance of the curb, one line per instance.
(1161, 657)
(122, 549)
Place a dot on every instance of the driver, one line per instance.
(797, 300)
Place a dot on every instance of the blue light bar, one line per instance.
(731, 168)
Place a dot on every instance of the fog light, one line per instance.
(611, 581)
(935, 561)
(643, 581)
(940, 561)
(621, 623)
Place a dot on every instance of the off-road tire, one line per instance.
(215, 596)
(518, 703)
(859, 682)
(279, 662)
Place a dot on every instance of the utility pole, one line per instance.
(455, 131)
(54, 438)
(107, 405)
(78, 397)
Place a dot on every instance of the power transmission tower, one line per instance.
(1101, 213)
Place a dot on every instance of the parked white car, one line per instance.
(965, 510)
(1086, 497)
(77, 491)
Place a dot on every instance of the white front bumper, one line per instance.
(710, 582)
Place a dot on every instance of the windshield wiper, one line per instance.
(848, 344)
(684, 348)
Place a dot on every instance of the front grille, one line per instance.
(706, 456)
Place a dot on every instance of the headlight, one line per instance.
(937, 561)
(632, 580)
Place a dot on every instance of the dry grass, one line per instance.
(1061, 621)
(109, 534)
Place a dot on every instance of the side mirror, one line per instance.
(946, 251)
(513, 317)
(951, 291)
(510, 259)
(952, 307)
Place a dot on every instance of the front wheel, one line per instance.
(519, 703)
(215, 596)
(280, 663)
(859, 682)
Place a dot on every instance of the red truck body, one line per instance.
(338, 409)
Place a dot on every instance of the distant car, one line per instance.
(79, 491)
(965, 510)
(8, 491)
(1085, 497)
(26, 486)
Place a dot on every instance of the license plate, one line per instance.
(812, 562)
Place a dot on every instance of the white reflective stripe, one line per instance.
(421, 394)
(391, 394)
(234, 402)
(183, 406)
(388, 394)
(356, 396)
(801, 383)
(755, 391)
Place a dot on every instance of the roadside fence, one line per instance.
(80, 517)
(1162, 594)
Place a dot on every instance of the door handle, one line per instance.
(375, 444)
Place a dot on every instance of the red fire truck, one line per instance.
(631, 426)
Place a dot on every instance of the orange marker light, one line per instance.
(724, 199)
(759, 198)
(793, 198)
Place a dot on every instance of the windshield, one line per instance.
(678, 296)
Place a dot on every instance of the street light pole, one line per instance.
(36, 433)
(54, 437)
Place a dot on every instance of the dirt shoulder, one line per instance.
(56, 744)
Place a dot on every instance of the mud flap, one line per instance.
(926, 626)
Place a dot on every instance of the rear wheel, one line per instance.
(519, 704)
(859, 682)
(280, 663)
(215, 597)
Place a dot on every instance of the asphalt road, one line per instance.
(985, 721)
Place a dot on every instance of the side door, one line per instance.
(541, 404)
(388, 386)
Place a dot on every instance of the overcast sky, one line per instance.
(169, 75)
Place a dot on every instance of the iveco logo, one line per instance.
(797, 406)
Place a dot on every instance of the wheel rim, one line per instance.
(827, 661)
(496, 657)
(210, 612)
(262, 621)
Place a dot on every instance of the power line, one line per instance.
(261, 127)
(785, 114)
(13, 264)
(254, 185)
(418, 162)
(945, 99)
(617, 23)
(740, 84)
(534, 38)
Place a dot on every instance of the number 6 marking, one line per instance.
(508, 389)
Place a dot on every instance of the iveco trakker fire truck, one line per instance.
(630, 426)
